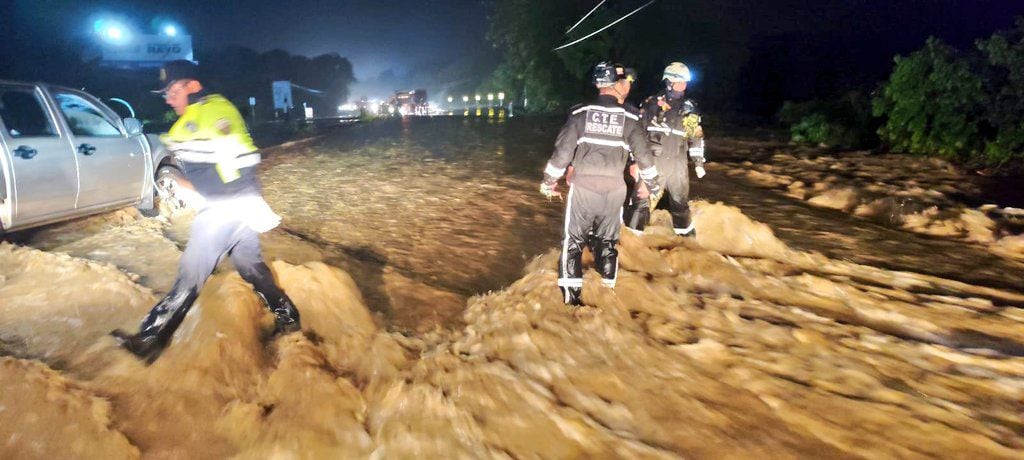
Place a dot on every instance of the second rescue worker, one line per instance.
(597, 140)
(213, 145)
(673, 127)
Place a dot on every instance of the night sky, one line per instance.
(375, 35)
(403, 35)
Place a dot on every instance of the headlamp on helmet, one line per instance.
(677, 72)
(606, 74)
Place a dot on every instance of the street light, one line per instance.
(111, 30)
(465, 98)
(170, 30)
(501, 96)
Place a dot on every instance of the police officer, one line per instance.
(597, 141)
(212, 144)
(673, 128)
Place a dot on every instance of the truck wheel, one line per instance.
(169, 186)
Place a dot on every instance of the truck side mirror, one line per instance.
(133, 126)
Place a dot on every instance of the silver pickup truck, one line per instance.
(64, 154)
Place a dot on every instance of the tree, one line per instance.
(933, 104)
(1004, 82)
(698, 32)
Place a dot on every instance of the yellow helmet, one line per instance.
(677, 72)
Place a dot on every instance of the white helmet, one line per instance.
(677, 72)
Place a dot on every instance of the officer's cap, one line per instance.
(177, 70)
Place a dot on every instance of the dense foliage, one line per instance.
(967, 106)
(1004, 86)
(960, 105)
(239, 73)
(841, 122)
(932, 104)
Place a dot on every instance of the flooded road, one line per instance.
(422, 259)
(452, 203)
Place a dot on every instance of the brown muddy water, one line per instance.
(422, 259)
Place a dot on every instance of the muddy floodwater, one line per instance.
(833, 305)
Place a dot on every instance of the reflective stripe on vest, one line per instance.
(212, 131)
(554, 171)
(601, 108)
(594, 140)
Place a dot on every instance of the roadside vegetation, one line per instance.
(961, 105)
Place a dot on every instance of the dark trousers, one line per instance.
(211, 238)
(593, 217)
(674, 174)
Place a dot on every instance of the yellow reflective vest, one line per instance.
(212, 131)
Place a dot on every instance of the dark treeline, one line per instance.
(749, 57)
(238, 73)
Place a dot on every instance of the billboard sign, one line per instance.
(283, 95)
(149, 49)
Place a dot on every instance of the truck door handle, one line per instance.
(25, 152)
(86, 149)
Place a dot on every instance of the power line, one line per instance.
(645, 5)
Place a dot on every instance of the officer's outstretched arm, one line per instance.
(565, 147)
(694, 137)
(644, 159)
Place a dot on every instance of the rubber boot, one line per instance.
(572, 295)
(158, 327)
(286, 316)
(606, 260)
(639, 217)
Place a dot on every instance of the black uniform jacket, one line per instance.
(597, 141)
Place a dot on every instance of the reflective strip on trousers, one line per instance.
(565, 238)
(571, 282)
(684, 231)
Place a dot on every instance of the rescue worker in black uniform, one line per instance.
(211, 141)
(597, 141)
(673, 128)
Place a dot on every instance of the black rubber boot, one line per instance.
(158, 327)
(286, 316)
(573, 296)
(606, 260)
